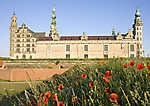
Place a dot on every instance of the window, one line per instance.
(28, 35)
(131, 55)
(85, 56)
(105, 47)
(67, 56)
(67, 47)
(28, 40)
(33, 45)
(18, 45)
(28, 45)
(17, 57)
(23, 35)
(138, 46)
(28, 49)
(18, 50)
(18, 36)
(131, 47)
(22, 40)
(105, 55)
(85, 47)
(18, 40)
(32, 49)
(30, 57)
(23, 56)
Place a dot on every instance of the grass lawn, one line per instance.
(12, 88)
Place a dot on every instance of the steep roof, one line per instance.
(62, 38)
(70, 38)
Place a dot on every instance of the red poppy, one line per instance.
(107, 90)
(60, 87)
(83, 75)
(74, 99)
(54, 97)
(38, 104)
(125, 65)
(103, 62)
(114, 97)
(33, 101)
(42, 94)
(98, 62)
(60, 103)
(131, 63)
(91, 84)
(121, 59)
(148, 66)
(140, 66)
(105, 79)
(83, 97)
(108, 74)
(48, 94)
(77, 83)
(45, 100)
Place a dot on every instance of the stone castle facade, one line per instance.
(26, 44)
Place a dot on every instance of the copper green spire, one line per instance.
(53, 28)
(137, 14)
(113, 32)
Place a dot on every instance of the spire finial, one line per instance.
(53, 30)
(113, 31)
(137, 13)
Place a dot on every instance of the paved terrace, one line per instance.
(22, 74)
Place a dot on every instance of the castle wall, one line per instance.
(57, 49)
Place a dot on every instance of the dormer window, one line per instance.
(28, 35)
(83, 37)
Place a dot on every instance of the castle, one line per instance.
(26, 44)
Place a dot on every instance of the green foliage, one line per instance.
(57, 62)
(130, 84)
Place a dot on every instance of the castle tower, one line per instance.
(53, 31)
(13, 28)
(137, 31)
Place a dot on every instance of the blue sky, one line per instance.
(95, 17)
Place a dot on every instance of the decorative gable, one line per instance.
(119, 36)
(129, 34)
(84, 37)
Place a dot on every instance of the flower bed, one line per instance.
(117, 82)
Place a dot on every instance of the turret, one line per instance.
(13, 29)
(53, 28)
(13, 21)
(137, 26)
(137, 31)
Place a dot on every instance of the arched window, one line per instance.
(30, 57)
(23, 56)
(17, 57)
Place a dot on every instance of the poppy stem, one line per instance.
(125, 96)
